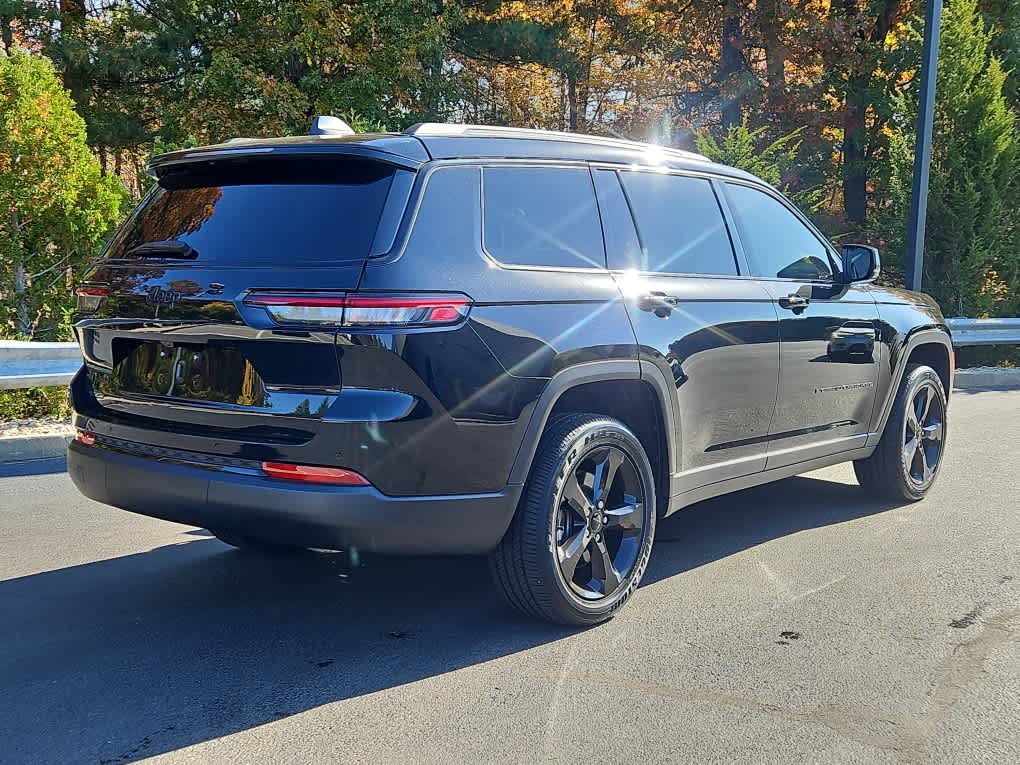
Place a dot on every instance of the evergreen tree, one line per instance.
(55, 205)
(772, 161)
(971, 257)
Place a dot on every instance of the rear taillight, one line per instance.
(300, 309)
(366, 311)
(362, 310)
(89, 297)
(314, 474)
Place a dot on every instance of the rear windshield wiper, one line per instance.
(165, 248)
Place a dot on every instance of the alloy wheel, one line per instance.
(924, 435)
(600, 520)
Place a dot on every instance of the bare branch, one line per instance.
(46, 270)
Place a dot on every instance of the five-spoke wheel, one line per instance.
(580, 541)
(906, 461)
(923, 431)
(600, 517)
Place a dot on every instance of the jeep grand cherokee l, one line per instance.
(466, 339)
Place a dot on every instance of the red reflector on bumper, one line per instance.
(85, 437)
(314, 474)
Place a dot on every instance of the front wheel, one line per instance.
(907, 459)
(580, 541)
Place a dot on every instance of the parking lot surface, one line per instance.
(797, 622)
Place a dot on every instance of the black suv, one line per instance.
(466, 339)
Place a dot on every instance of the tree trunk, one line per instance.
(776, 53)
(139, 176)
(22, 325)
(583, 96)
(72, 34)
(731, 63)
(7, 33)
(572, 103)
(856, 141)
(433, 101)
(564, 108)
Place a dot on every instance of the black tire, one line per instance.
(890, 472)
(529, 565)
(253, 545)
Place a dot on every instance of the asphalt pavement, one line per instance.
(797, 622)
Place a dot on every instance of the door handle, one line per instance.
(794, 301)
(657, 302)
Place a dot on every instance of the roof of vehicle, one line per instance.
(438, 141)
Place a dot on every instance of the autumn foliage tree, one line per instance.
(840, 76)
(55, 205)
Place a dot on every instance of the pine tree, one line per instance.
(772, 161)
(972, 248)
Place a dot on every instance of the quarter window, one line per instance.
(777, 243)
(679, 223)
(538, 216)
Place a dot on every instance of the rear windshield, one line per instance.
(260, 214)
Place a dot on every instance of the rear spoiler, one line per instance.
(401, 151)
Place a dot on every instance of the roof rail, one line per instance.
(444, 129)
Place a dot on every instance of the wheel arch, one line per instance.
(937, 356)
(928, 345)
(615, 388)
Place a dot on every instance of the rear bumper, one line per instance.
(292, 513)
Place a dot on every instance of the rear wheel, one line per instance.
(580, 541)
(250, 544)
(906, 461)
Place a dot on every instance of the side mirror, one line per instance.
(860, 263)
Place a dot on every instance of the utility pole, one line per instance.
(922, 145)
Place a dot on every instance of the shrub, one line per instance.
(34, 402)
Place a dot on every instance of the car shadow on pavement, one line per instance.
(719, 527)
(120, 659)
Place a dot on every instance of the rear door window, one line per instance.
(279, 212)
(542, 216)
(680, 225)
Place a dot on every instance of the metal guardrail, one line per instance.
(28, 365)
(967, 332)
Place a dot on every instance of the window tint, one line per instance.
(679, 223)
(284, 213)
(777, 243)
(623, 250)
(542, 217)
